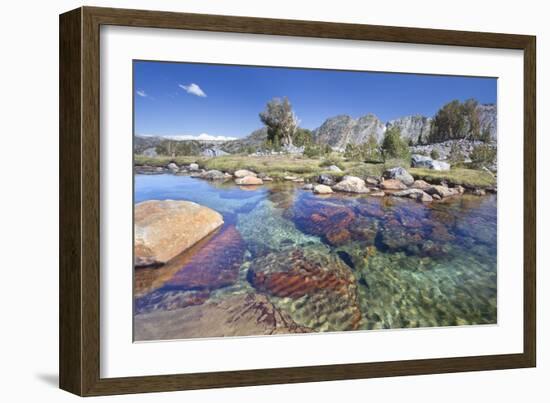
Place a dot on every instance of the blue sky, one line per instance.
(221, 100)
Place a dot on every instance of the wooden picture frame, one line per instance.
(79, 346)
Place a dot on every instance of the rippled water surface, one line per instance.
(409, 264)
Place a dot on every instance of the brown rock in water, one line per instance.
(323, 286)
(249, 180)
(392, 184)
(321, 218)
(215, 265)
(214, 252)
(338, 236)
(237, 315)
(164, 229)
(370, 209)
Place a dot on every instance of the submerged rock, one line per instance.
(322, 285)
(162, 300)
(237, 315)
(318, 218)
(351, 184)
(164, 229)
(274, 234)
(215, 265)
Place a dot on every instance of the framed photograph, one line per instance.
(249, 201)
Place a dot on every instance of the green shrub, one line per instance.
(483, 154)
(368, 151)
(331, 160)
(434, 154)
(313, 150)
(455, 156)
(394, 146)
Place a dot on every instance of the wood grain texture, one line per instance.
(70, 273)
(80, 200)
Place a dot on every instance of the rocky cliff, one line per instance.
(488, 119)
(337, 131)
(341, 130)
(415, 129)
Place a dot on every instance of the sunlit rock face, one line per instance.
(238, 315)
(164, 229)
(488, 119)
(341, 130)
(414, 129)
(317, 289)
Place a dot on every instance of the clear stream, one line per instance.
(416, 265)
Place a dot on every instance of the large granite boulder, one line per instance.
(325, 179)
(237, 315)
(213, 174)
(315, 288)
(416, 194)
(399, 174)
(442, 191)
(322, 189)
(351, 184)
(241, 173)
(421, 161)
(164, 229)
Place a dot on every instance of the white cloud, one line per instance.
(202, 137)
(193, 89)
(141, 93)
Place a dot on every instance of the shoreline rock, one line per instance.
(164, 229)
(400, 174)
(248, 181)
(392, 184)
(351, 184)
(322, 189)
